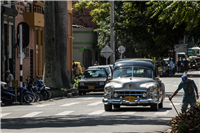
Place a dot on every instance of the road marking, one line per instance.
(31, 114)
(97, 112)
(65, 113)
(69, 104)
(86, 98)
(128, 113)
(166, 119)
(4, 114)
(162, 113)
(93, 104)
(175, 103)
(42, 105)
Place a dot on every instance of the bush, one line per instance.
(75, 82)
(188, 122)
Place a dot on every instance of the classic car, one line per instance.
(92, 80)
(134, 82)
(193, 64)
(108, 68)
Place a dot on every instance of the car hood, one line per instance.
(93, 80)
(131, 83)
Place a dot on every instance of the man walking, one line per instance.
(189, 87)
(77, 71)
(178, 65)
(9, 79)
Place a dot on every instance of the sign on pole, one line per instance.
(106, 52)
(121, 50)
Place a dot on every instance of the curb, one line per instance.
(69, 93)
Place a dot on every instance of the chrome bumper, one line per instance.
(136, 102)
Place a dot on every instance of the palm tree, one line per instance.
(61, 38)
(52, 69)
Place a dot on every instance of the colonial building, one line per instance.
(33, 62)
(8, 14)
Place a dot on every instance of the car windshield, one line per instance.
(181, 56)
(132, 71)
(167, 61)
(94, 74)
(106, 68)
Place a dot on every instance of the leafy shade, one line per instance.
(100, 10)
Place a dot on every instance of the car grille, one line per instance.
(129, 93)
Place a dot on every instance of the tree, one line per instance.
(179, 13)
(55, 63)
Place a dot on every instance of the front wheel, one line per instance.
(117, 106)
(108, 107)
(45, 95)
(154, 107)
(50, 94)
(161, 104)
(28, 98)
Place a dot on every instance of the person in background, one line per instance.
(171, 67)
(95, 63)
(9, 79)
(178, 65)
(189, 87)
(77, 70)
(186, 65)
(181, 64)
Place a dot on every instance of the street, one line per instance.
(86, 114)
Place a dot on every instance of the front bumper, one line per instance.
(138, 101)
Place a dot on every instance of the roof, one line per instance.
(135, 62)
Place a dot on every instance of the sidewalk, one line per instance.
(190, 73)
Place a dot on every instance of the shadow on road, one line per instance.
(79, 121)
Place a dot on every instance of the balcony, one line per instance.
(34, 15)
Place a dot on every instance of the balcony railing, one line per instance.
(34, 8)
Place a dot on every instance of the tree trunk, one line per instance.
(61, 38)
(52, 71)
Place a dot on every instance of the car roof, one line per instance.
(99, 66)
(135, 62)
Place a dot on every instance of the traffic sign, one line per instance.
(121, 49)
(106, 51)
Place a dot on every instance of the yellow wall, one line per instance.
(34, 19)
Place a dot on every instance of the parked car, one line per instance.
(134, 82)
(82, 68)
(193, 64)
(108, 68)
(92, 80)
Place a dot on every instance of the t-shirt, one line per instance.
(189, 87)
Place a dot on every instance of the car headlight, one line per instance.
(151, 89)
(82, 84)
(109, 90)
(144, 95)
(101, 83)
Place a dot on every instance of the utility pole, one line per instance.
(112, 35)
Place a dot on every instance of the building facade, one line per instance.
(8, 14)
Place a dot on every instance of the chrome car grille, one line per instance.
(129, 93)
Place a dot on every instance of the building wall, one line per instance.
(83, 38)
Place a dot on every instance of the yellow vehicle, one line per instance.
(82, 68)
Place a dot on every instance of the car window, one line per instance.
(106, 68)
(132, 71)
(94, 74)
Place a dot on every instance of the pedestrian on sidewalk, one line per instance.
(171, 67)
(77, 70)
(189, 87)
(178, 65)
(182, 64)
(186, 65)
(9, 79)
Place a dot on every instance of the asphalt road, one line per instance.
(86, 114)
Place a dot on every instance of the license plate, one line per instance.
(90, 87)
(130, 98)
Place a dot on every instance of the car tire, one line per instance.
(84, 93)
(80, 93)
(117, 106)
(108, 107)
(155, 107)
(161, 104)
